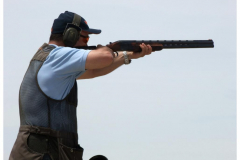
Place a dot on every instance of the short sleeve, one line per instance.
(66, 60)
(58, 73)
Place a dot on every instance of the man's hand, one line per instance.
(146, 50)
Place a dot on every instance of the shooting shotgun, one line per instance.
(133, 45)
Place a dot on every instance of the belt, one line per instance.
(48, 132)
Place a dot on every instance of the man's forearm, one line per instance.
(118, 61)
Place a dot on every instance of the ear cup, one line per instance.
(70, 37)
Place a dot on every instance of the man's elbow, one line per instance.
(107, 58)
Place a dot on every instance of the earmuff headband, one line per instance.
(76, 20)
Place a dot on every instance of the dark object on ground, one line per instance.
(98, 157)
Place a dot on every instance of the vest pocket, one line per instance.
(37, 143)
(44, 145)
(68, 153)
(21, 150)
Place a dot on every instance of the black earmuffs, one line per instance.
(72, 32)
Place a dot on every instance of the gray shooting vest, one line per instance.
(48, 128)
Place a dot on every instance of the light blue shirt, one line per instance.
(62, 67)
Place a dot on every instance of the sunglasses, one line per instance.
(85, 38)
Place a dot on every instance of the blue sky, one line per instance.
(173, 104)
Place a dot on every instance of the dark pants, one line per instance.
(39, 143)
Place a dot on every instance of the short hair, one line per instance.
(56, 37)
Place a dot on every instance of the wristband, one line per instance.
(126, 59)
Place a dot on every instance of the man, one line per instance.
(48, 93)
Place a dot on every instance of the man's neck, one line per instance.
(56, 43)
